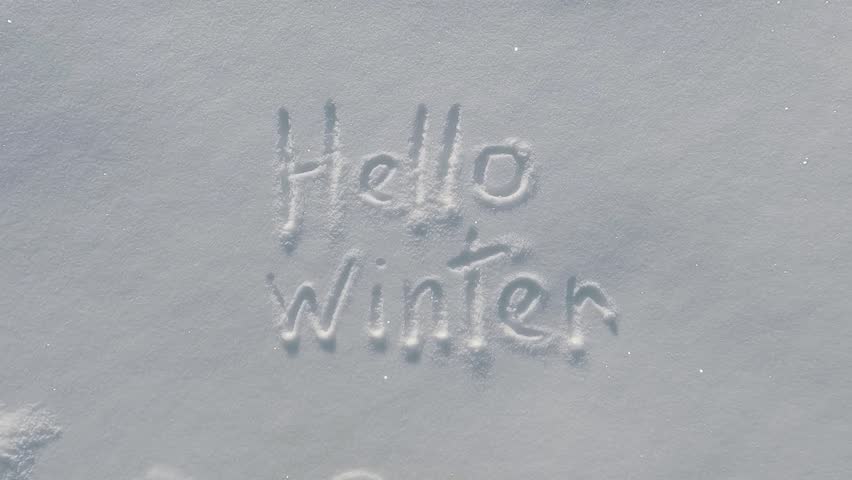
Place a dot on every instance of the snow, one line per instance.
(409, 240)
(164, 472)
(23, 432)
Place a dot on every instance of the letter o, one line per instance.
(518, 189)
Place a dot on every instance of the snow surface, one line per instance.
(22, 433)
(631, 222)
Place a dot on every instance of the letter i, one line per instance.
(376, 323)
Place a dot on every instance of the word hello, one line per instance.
(423, 189)
(519, 296)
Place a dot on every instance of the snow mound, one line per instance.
(22, 433)
(163, 472)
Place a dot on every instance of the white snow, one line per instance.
(164, 472)
(23, 432)
(276, 239)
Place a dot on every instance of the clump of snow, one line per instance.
(22, 433)
(357, 475)
(164, 472)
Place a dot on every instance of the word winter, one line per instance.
(431, 185)
(519, 296)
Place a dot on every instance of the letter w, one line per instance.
(305, 299)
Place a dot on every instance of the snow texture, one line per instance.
(23, 432)
(468, 240)
(164, 472)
